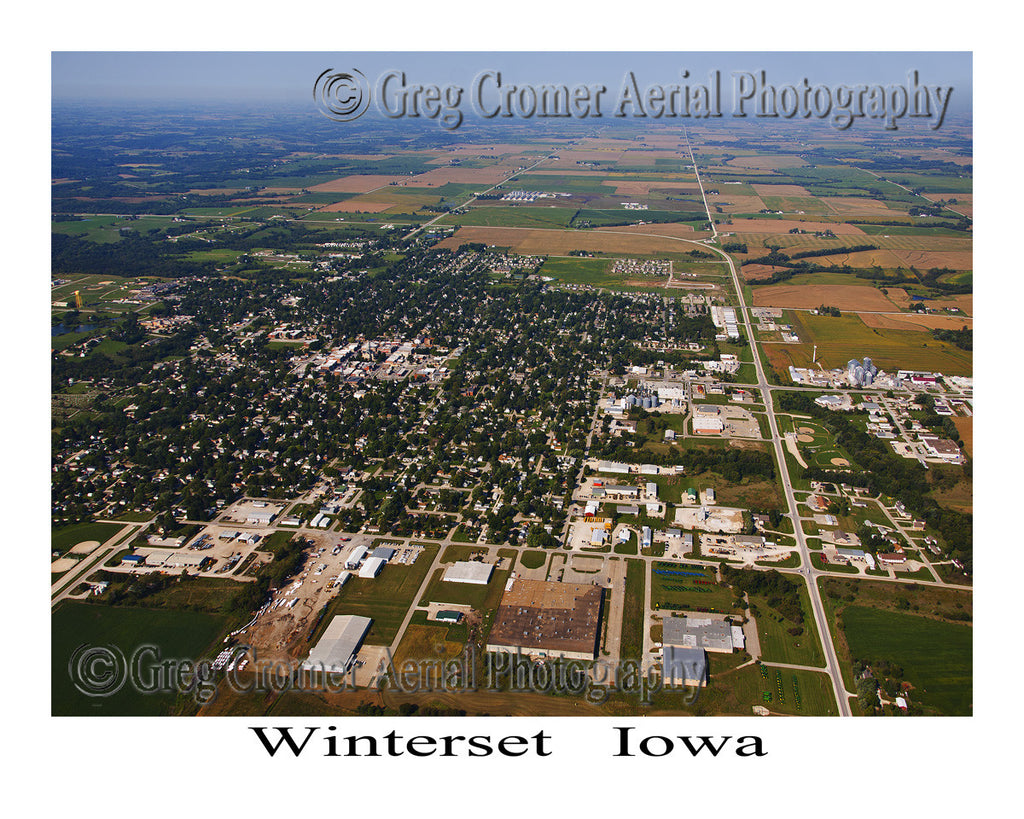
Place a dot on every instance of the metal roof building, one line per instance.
(698, 632)
(469, 571)
(684, 666)
(383, 552)
(372, 567)
(355, 558)
(338, 644)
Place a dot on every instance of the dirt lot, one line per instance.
(845, 297)
(965, 426)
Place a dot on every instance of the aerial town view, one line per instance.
(522, 416)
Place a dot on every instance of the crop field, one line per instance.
(852, 297)
(841, 338)
(176, 634)
(937, 657)
(536, 241)
(513, 216)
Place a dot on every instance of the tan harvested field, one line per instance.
(561, 242)
(852, 206)
(282, 191)
(767, 163)
(360, 183)
(809, 296)
(806, 241)
(926, 259)
(753, 272)
(862, 258)
(643, 187)
(913, 321)
(965, 426)
(490, 175)
(667, 229)
(357, 205)
(736, 204)
(772, 227)
(965, 302)
(781, 190)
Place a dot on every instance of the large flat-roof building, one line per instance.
(699, 632)
(684, 666)
(469, 571)
(337, 646)
(548, 619)
(372, 567)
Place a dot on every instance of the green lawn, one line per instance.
(632, 642)
(777, 644)
(680, 592)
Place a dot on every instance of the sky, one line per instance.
(282, 77)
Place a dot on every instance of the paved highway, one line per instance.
(808, 571)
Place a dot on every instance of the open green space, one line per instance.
(631, 644)
(778, 643)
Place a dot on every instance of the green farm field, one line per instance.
(841, 338)
(175, 634)
(936, 656)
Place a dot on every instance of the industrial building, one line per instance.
(702, 632)
(354, 559)
(684, 666)
(385, 553)
(469, 571)
(548, 619)
(372, 567)
(707, 420)
(338, 645)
